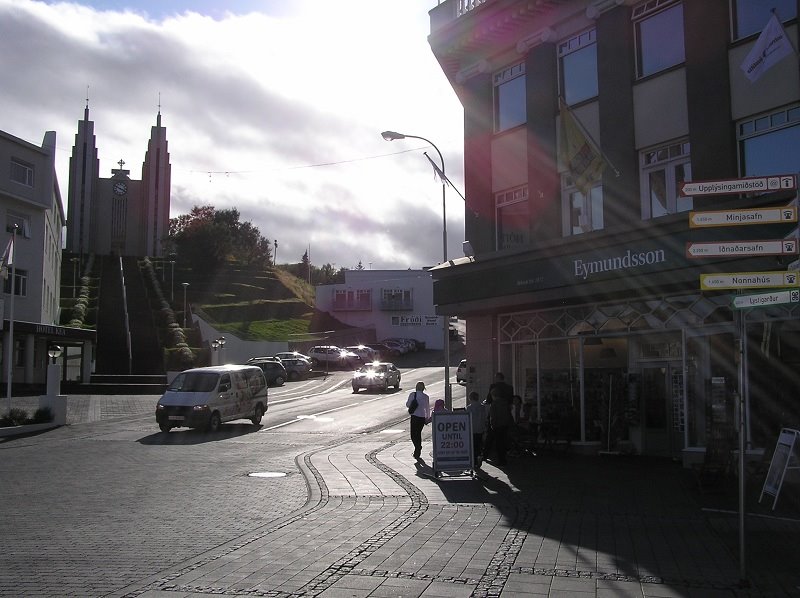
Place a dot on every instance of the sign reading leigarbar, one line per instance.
(747, 280)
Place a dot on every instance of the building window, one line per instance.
(581, 214)
(770, 144)
(22, 223)
(21, 172)
(513, 218)
(663, 169)
(658, 27)
(20, 283)
(578, 65)
(750, 16)
(509, 98)
(396, 299)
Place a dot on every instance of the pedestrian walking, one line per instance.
(477, 414)
(419, 407)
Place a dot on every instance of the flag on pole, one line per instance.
(583, 160)
(770, 48)
(8, 258)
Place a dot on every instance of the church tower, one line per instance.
(84, 170)
(156, 172)
(118, 215)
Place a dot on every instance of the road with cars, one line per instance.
(93, 507)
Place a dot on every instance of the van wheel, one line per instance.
(279, 381)
(165, 427)
(397, 386)
(257, 415)
(214, 422)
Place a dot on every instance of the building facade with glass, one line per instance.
(605, 291)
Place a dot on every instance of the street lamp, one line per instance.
(54, 352)
(394, 136)
(74, 261)
(221, 342)
(185, 284)
(275, 257)
(172, 278)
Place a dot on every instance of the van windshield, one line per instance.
(194, 382)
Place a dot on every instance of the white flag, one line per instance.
(8, 258)
(771, 47)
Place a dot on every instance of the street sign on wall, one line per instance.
(767, 299)
(753, 184)
(741, 248)
(775, 215)
(748, 280)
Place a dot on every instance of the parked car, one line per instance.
(333, 356)
(385, 352)
(396, 345)
(290, 355)
(297, 368)
(273, 369)
(378, 375)
(366, 353)
(461, 372)
(206, 397)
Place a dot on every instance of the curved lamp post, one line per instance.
(185, 284)
(394, 136)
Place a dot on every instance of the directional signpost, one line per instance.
(748, 280)
(767, 299)
(753, 184)
(741, 248)
(777, 215)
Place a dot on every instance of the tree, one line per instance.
(207, 237)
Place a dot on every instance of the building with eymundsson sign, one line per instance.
(597, 133)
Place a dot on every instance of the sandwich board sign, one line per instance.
(783, 459)
(452, 442)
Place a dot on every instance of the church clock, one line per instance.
(120, 188)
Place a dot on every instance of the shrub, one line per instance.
(42, 416)
(15, 417)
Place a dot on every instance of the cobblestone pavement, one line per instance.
(364, 520)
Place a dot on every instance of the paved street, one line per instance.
(110, 507)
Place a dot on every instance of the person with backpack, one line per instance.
(419, 408)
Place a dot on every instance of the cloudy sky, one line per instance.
(274, 107)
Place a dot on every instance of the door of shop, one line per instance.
(662, 405)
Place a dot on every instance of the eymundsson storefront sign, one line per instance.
(584, 268)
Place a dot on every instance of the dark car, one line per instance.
(377, 375)
(274, 370)
(297, 368)
(385, 353)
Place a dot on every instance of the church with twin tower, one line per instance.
(118, 215)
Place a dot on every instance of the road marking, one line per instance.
(314, 415)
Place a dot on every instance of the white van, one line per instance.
(206, 397)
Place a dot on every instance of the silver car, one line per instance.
(376, 375)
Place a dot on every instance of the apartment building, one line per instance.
(611, 293)
(392, 303)
(33, 221)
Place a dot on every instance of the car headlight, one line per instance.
(200, 408)
(160, 407)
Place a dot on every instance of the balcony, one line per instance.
(360, 301)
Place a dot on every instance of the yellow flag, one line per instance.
(583, 161)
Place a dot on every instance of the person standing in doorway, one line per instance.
(498, 388)
(500, 423)
(477, 414)
(420, 415)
